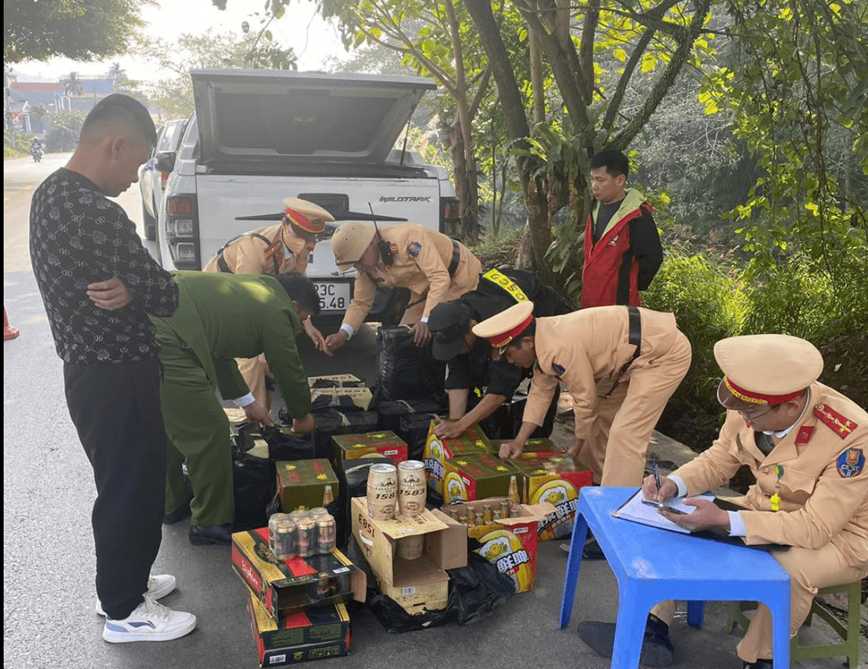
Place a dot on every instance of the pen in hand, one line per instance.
(656, 474)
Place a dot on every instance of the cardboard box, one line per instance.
(361, 397)
(478, 476)
(354, 446)
(297, 583)
(438, 451)
(557, 480)
(305, 484)
(299, 637)
(415, 584)
(508, 543)
(335, 381)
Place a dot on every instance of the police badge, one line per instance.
(850, 462)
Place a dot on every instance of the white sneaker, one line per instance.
(149, 621)
(158, 587)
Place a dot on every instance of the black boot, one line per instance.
(214, 534)
(657, 649)
(759, 664)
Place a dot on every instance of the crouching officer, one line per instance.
(621, 364)
(434, 267)
(274, 250)
(470, 370)
(805, 444)
(221, 317)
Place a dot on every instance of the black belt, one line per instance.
(224, 266)
(635, 339)
(456, 256)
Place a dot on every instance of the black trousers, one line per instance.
(116, 410)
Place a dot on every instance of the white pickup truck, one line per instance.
(259, 136)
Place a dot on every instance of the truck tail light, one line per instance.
(182, 231)
(448, 214)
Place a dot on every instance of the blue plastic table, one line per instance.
(653, 565)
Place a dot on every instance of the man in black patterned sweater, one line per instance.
(99, 284)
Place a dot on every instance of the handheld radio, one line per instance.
(383, 246)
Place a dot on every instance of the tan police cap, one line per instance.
(502, 328)
(350, 241)
(767, 368)
(306, 215)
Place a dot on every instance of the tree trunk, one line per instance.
(459, 172)
(517, 129)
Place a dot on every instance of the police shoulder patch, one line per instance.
(851, 462)
(839, 424)
(413, 249)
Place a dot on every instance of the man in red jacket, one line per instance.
(622, 247)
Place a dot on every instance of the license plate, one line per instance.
(333, 296)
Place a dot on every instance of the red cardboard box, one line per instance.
(310, 635)
(297, 583)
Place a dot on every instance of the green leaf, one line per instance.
(621, 55)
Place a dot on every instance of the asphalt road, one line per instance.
(48, 592)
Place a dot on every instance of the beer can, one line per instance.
(412, 487)
(325, 534)
(382, 491)
(283, 536)
(298, 514)
(306, 537)
(318, 512)
(410, 548)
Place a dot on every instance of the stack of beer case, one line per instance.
(339, 385)
(296, 606)
(352, 456)
(439, 451)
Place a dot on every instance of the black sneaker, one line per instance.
(657, 650)
(759, 664)
(215, 534)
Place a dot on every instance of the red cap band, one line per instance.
(758, 398)
(314, 226)
(501, 340)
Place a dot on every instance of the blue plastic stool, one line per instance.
(653, 565)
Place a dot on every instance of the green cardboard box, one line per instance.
(305, 484)
(438, 451)
(355, 446)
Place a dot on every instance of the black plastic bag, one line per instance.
(406, 371)
(332, 422)
(476, 590)
(286, 445)
(254, 487)
(395, 619)
(353, 482)
(506, 421)
(410, 420)
(339, 402)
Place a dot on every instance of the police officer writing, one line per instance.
(469, 365)
(805, 445)
(434, 267)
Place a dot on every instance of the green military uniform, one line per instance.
(221, 317)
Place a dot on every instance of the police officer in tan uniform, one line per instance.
(434, 267)
(619, 388)
(806, 445)
(273, 250)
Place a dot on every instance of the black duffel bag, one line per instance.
(333, 421)
(406, 371)
(254, 487)
(410, 420)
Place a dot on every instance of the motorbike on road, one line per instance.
(36, 152)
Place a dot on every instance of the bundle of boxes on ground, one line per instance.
(297, 602)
